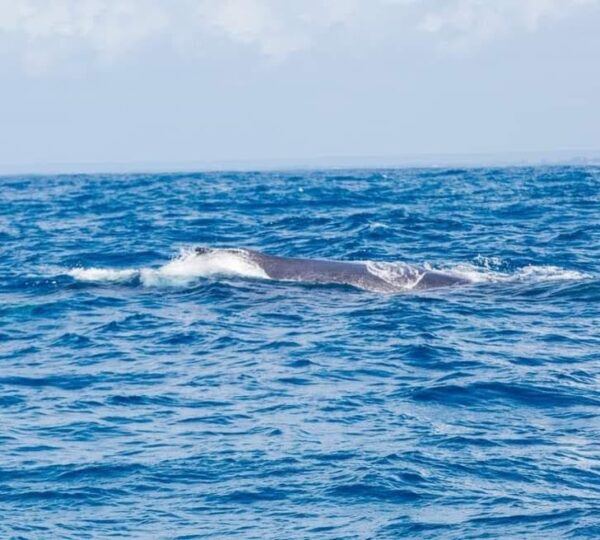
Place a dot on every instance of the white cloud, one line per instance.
(462, 23)
(45, 31)
(269, 27)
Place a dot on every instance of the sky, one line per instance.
(176, 82)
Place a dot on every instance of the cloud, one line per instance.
(463, 23)
(44, 32)
(274, 28)
(48, 30)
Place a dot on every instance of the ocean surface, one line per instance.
(146, 393)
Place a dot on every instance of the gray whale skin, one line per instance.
(356, 274)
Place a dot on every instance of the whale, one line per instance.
(372, 276)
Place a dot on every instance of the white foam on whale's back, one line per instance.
(400, 275)
(190, 266)
(183, 270)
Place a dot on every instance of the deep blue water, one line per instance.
(143, 395)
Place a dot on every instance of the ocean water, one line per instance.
(145, 393)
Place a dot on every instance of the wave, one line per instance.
(187, 269)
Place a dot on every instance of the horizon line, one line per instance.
(432, 160)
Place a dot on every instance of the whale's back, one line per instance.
(380, 277)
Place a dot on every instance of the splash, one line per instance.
(102, 274)
(496, 270)
(183, 270)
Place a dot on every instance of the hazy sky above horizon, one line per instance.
(109, 81)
